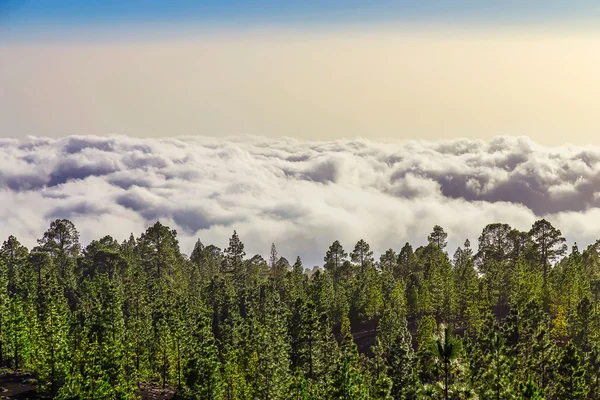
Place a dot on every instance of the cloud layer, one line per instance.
(301, 195)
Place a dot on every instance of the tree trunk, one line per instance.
(497, 376)
(16, 355)
(445, 381)
(164, 374)
(53, 361)
(178, 367)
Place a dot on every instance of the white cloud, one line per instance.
(302, 195)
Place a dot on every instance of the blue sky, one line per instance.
(313, 69)
(20, 16)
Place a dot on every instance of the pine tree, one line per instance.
(367, 301)
(299, 387)
(233, 264)
(196, 256)
(560, 328)
(272, 351)
(548, 245)
(491, 368)
(312, 343)
(438, 237)
(465, 279)
(18, 272)
(273, 256)
(202, 370)
(530, 391)
(334, 260)
(52, 348)
(61, 242)
(93, 323)
(16, 332)
(571, 375)
(137, 306)
(158, 249)
(348, 380)
(322, 293)
(257, 271)
(425, 349)
(380, 384)
(406, 259)
(388, 262)
(447, 349)
(234, 382)
(91, 381)
(4, 312)
(436, 292)
(499, 377)
(393, 318)
(180, 341)
(279, 271)
(543, 358)
(298, 281)
(402, 365)
(593, 372)
(362, 255)
(584, 324)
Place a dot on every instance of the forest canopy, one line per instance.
(514, 317)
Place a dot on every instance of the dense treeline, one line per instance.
(514, 319)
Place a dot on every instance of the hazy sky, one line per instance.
(310, 69)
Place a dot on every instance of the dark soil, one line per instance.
(17, 385)
(155, 392)
(21, 385)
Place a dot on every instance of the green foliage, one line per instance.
(585, 324)
(571, 375)
(393, 318)
(402, 365)
(110, 318)
(380, 384)
(52, 349)
(465, 280)
(438, 237)
(426, 348)
(530, 391)
(447, 349)
(348, 382)
(334, 262)
(202, 370)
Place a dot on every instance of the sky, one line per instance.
(306, 69)
(299, 122)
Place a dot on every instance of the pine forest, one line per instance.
(514, 316)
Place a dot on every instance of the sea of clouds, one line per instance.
(301, 195)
